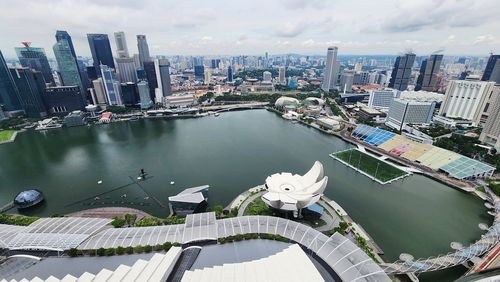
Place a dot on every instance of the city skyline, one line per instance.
(385, 27)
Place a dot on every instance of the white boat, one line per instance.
(216, 114)
(172, 182)
(134, 118)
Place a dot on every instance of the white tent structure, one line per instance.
(293, 192)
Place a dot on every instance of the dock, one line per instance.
(7, 207)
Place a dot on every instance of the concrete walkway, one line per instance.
(244, 205)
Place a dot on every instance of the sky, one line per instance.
(220, 27)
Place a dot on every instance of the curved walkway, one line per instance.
(480, 247)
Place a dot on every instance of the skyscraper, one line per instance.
(150, 70)
(126, 69)
(31, 86)
(466, 99)
(331, 71)
(64, 35)
(9, 94)
(491, 129)
(100, 92)
(142, 45)
(492, 70)
(162, 68)
(199, 71)
(35, 58)
(207, 76)
(428, 73)
(401, 72)
(111, 86)
(68, 65)
(281, 75)
(121, 45)
(346, 81)
(403, 112)
(101, 51)
(229, 74)
(144, 96)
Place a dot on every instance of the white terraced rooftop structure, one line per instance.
(291, 264)
(157, 269)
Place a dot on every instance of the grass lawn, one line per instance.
(5, 135)
(369, 164)
(258, 207)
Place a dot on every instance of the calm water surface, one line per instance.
(231, 153)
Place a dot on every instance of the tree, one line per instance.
(130, 219)
(218, 210)
(120, 250)
(117, 222)
(138, 249)
(73, 252)
(101, 252)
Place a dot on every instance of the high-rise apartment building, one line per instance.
(101, 51)
(491, 129)
(402, 112)
(492, 70)
(142, 45)
(331, 72)
(207, 77)
(382, 99)
(121, 45)
(229, 74)
(429, 71)
(466, 99)
(401, 73)
(281, 75)
(35, 58)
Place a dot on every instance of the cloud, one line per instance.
(413, 15)
(301, 4)
(290, 29)
(484, 39)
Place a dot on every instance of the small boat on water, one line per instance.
(172, 182)
(134, 118)
(216, 114)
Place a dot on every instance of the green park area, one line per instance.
(372, 166)
(5, 135)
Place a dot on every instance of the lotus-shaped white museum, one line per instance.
(293, 192)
